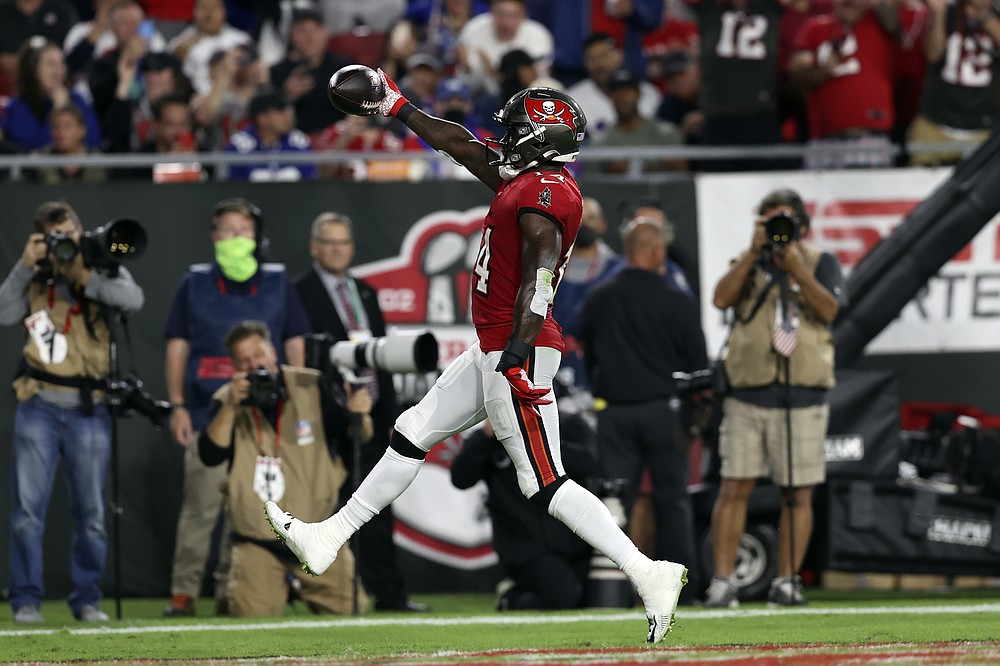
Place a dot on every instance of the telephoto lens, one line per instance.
(781, 229)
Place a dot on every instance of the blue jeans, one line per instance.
(42, 433)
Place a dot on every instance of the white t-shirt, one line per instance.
(600, 111)
(196, 62)
(478, 35)
(106, 42)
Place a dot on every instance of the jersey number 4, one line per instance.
(481, 271)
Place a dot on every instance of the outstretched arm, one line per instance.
(441, 135)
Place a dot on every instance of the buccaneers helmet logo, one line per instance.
(550, 112)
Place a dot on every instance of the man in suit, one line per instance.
(347, 308)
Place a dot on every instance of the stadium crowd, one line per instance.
(146, 76)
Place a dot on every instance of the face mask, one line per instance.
(235, 257)
(586, 237)
(455, 116)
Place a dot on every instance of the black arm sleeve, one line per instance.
(829, 275)
(211, 453)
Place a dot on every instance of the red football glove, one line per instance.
(511, 366)
(393, 100)
(525, 391)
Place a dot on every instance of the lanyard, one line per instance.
(260, 430)
(76, 309)
(222, 287)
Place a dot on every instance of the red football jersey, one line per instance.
(859, 95)
(496, 275)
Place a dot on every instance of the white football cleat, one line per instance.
(660, 587)
(303, 539)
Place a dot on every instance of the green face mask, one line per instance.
(235, 257)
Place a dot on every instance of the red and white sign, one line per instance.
(426, 286)
(958, 309)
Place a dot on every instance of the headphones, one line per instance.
(251, 209)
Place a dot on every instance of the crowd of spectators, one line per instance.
(858, 75)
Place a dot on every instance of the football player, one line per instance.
(527, 239)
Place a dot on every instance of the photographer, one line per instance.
(60, 413)
(780, 367)
(279, 433)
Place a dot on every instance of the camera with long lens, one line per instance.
(266, 389)
(106, 247)
(410, 351)
(781, 229)
(134, 399)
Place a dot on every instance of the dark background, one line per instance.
(176, 218)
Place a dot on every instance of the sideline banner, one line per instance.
(957, 311)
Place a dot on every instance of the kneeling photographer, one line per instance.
(279, 429)
(63, 299)
(780, 366)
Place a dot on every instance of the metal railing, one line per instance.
(636, 156)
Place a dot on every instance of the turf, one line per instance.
(839, 618)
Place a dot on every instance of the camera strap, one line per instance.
(260, 430)
(76, 309)
(85, 385)
(756, 306)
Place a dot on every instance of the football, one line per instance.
(356, 89)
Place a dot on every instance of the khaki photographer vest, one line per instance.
(86, 355)
(752, 361)
(312, 478)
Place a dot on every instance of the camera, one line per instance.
(120, 240)
(133, 398)
(411, 351)
(692, 383)
(781, 229)
(266, 389)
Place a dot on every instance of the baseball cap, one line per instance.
(264, 102)
(675, 62)
(157, 61)
(623, 78)
(450, 88)
(423, 60)
(307, 14)
(515, 58)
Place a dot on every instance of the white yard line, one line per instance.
(682, 614)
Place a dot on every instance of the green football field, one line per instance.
(855, 628)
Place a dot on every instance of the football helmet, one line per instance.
(542, 125)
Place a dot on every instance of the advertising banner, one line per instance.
(957, 311)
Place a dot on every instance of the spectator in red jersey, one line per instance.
(960, 96)
(844, 63)
(355, 134)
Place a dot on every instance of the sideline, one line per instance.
(224, 625)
